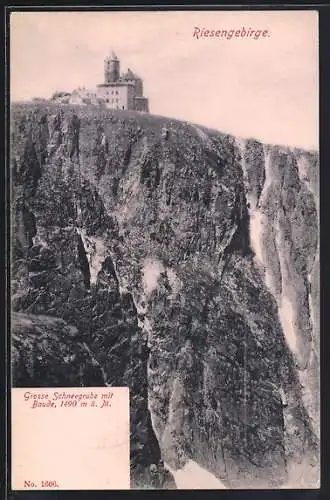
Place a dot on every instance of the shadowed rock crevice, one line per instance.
(83, 261)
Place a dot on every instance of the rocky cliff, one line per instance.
(183, 263)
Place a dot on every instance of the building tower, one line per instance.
(111, 68)
(122, 92)
(129, 76)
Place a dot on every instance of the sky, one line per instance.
(266, 88)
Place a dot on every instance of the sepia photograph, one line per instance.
(164, 250)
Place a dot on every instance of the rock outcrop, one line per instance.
(182, 264)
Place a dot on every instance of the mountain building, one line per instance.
(121, 91)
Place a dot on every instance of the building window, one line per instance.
(116, 91)
(107, 100)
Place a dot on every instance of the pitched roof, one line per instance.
(112, 57)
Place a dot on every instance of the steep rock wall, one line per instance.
(62, 270)
(284, 214)
(204, 250)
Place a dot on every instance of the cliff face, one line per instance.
(183, 263)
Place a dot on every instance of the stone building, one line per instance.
(82, 95)
(121, 91)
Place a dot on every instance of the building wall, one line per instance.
(141, 104)
(138, 87)
(115, 96)
(83, 96)
(75, 99)
(131, 95)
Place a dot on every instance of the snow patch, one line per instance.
(302, 164)
(286, 311)
(193, 477)
(95, 252)
(151, 272)
(147, 325)
(299, 475)
(258, 222)
(287, 318)
(268, 178)
(257, 218)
